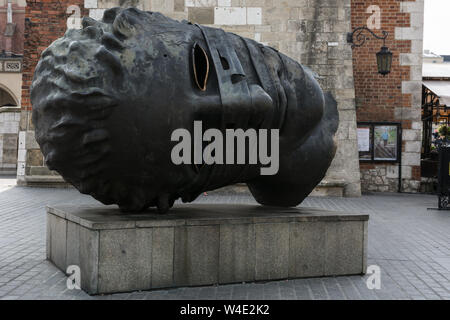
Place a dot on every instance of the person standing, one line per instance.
(385, 137)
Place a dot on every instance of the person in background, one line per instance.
(385, 137)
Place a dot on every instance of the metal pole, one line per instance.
(400, 159)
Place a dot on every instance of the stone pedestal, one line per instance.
(203, 244)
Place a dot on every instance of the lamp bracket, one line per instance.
(357, 38)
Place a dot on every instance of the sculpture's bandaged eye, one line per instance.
(201, 66)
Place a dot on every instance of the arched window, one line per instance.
(6, 98)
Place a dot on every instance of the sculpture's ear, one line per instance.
(200, 64)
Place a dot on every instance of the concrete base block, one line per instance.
(203, 244)
(43, 181)
(333, 188)
(8, 171)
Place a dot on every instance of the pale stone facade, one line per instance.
(11, 47)
(9, 128)
(412, 138)
(312, 32)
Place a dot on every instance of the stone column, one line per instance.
(321, 30)
(412, 86)
(9, 125)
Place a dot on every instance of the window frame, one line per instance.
(372, 125)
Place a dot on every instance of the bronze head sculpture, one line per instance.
(107, 98)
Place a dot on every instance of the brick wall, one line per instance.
(46, 20)
(311, 31)
(395, 97)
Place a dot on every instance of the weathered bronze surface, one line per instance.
(106, 99)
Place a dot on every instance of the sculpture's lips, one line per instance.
(73, 75)
(92, 100)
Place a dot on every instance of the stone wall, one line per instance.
(11, 42)
(9, 129)
(311, 31)
(395, 97)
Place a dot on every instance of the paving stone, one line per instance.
(405, 239)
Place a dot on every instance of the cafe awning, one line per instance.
(441, 89)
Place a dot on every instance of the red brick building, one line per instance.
(45, 21)
(12, 17)
(395, 98)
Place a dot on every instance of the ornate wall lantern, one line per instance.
(384, 57)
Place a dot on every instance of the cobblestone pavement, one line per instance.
(409, 243)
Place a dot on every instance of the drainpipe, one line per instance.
(9, 13)
(8, 39)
